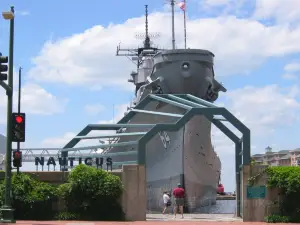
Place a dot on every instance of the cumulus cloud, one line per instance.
(282, 11)
(289, 76)
(34, 100)
(94, 109)
(59, 142)
(292, 67)
(88, 58)
(264, 109)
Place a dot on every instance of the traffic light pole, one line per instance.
(7, 211)
(19, 107)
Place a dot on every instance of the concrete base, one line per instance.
(255, 210)
(7, 215)
(134, 199)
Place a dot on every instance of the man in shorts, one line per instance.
(178, 194)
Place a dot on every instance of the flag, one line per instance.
(182, 5)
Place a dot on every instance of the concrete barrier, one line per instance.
(256, 209)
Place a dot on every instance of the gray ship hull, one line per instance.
(185, 157)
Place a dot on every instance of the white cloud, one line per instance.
(94, 109)
(289, 76)
(23, 13)
(292, 67)
(282, 11)
(217, 2)
(89, 59)
(264, 109)
(34, 100)
(59, 142)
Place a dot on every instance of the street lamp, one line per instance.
(8, 15)
(6, 210)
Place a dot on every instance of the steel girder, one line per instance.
(193, 106)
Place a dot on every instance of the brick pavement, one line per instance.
(169, 222)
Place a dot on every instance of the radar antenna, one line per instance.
(138, 53)
(147, 38)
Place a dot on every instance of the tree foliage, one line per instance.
(31, 198)
(89, 194)
(93, 194)
(287, 178)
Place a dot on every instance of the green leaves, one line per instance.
(89, 194)
(287, 178)
(92, 194)
(32, 199)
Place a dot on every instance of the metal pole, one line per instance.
(184, 15)
(7, 211)
(19, 107)
(173, 24)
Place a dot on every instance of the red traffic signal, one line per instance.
(19, 119)
(18, 127)
(17, 155)
(17, 159)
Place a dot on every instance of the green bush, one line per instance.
(276, 219)
(66, 216)
(92, 194)
(31, 199)
(287, 178)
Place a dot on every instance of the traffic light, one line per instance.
(18, 127)
(3, 68)
(17, 158)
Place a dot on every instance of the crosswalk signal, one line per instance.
(18, 127)
(3, 68)
(17, 159)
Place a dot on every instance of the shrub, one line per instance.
(288, 180)
(31, 199)
(92, 194)
(66, 216)
(276, 219)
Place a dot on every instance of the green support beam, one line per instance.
(95, 155)
(207, 112)
(185, 101)
(157, 113)
(174, 103)
(119, 144)
(110, 135)
(194, 105)
(201, 101)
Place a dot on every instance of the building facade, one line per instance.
(280, 158)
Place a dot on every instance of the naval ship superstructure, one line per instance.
(186, 156)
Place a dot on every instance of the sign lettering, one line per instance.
(63, 162)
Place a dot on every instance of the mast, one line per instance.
(147, 38)
(173, 23)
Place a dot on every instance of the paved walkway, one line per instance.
(159, 219)
(194, 217)
(170, 222)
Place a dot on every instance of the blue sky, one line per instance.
(71, 76)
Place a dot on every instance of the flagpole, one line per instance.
(184, 18)
(173, 24)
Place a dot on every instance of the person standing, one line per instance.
(167, 201)
(178, 194)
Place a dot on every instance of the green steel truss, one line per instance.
(192, 105)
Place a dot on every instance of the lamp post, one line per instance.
(7, 211)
